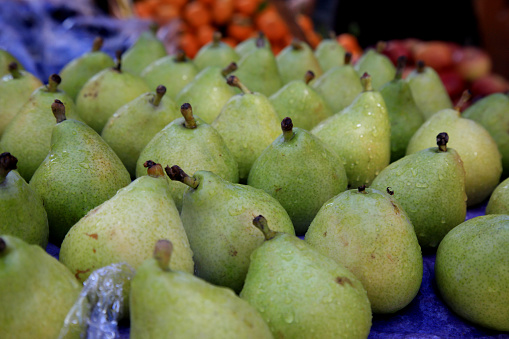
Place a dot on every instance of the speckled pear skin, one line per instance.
(499, 199)
(338, 87)
(174, 75)
(330, 54)
(301, 103)
(370, 234)
(428, 91)
(302, 174)
(28, 135)
(472, 271)
(22, 212)
(293, 62)
(331, 302)
(492, 113)
(173, 304)
(80, 172)
(37, 286)
(207, 93)
(147, 49)
(77, 72)
(104, 93)
(248, 124)
(218, 219)
(477, 149)
(201, 148)
(430, 186)
(133, 125)
(361, 136)
(379, 66)
(215, 54)
(125, 228)
(15, 93)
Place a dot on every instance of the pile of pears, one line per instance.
(256, 196)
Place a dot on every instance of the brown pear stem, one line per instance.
(3, 245)
(260, 40)
(348, 58)
(160, 92)
(58, 110)
(153, 27)
(232, 67)
(180, 56)
(177, 174)
(162, 254)
(97, 44)
(400, 67)
(296, 44)
(187, 112)
(390, 191)
(442, 140)
(14, 70)
(53, 82)
(332, 35)
(8, 163)
(261, 223)
(366, 82)
(463, 100)
(154, 170)
(380, 46)
(309, 77)
(362, 189)
(287, 127)
(216, 38)
(235, 82)
(118, 66)
(421, 66)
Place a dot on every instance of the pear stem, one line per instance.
(7, 163)
(463, 100)
(14, 70)
(390, 191)
(400, 67)
(348, 58)
(232, 67)
(187, 112)
(58, 110)
(53, 82)
(421, 66)
(177, 174)
(332, 35)
(366, 82)
(162, 254)
(118, 66)
(261, 223)
(154, 170)
(180, 56)
(235, 82)
(287, 127)
(216, 38)
(309, 77)
(97, 44)
(442, 140)
(260, 41)
(380, 46)
(362, 189)
(296, 44)
(3, 245)
(160, 92)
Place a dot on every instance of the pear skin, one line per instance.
(296, 59)
(215, 54)
(147, 49)
(379, 66)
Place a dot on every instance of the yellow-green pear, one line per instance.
(330, 53)
(376, 64)
(296, 59)
(215, 53)
(499, 199)
(147, 49)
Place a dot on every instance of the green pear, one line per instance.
(368, 232)
(428, 90)
(280, 169)
(247, 46)
(166, 303)
(499, 199)
(379, 66)
(404, 115)
(6, 59)
(172, 71)
(194, 145)
(80, 172)
(361, 135)
(147, 49)
(476, 147)
(28, 135)
(15, 90)
(330, 53)
(492, 113)
(208, 92)
(133, 125)
(331, 302)
(21, 209)
(34, 285)
(217, 217)
(248, 124)
(301, 102)
(471, 271)
(215, 53)
(103, 94)
(296, 59)
(77, 72)
(339, 86)
(259, 71)
(126, 227)
(430, 186)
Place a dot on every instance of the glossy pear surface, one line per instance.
(499, 199)
(295, 60)
(379, 66)
(215, 54)
(330, 54)
(147, 49)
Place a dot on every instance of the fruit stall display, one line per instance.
(235, 181)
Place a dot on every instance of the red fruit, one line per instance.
(453, 82)
(436, 54)
(472, 63)
(489, 84)
(397, 48)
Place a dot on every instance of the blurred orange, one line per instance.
(350, 43)
(305, 23)
(246, 7)
(230, 41)
(189, 44)
(197, 14)
(177, 3)
(222, 11)
(204, 34)
(241, 27)
(271, 24)
(165, 12)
